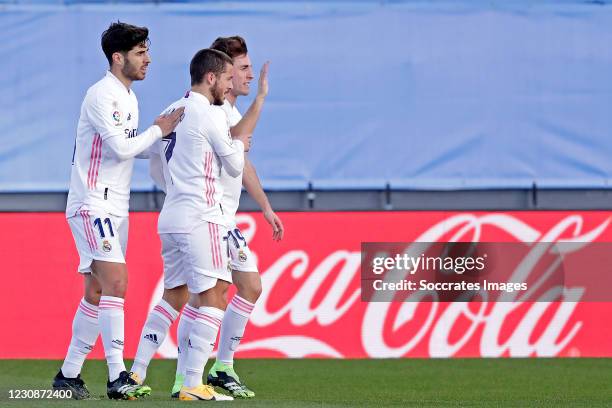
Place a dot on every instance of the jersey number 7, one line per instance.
(170, 141)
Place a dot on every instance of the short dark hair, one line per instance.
(232, 46)
(122, 37)
(205, 61)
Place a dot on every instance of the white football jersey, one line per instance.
(192, 167)
(232, 186)
(99, 178)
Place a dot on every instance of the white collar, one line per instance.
(114, 78)
(198, 97)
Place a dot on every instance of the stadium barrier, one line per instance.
(311, 305)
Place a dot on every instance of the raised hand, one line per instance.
(262, 84)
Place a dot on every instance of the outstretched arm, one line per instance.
(251, 182)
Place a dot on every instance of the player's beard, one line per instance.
(217, 94)
(131, 72)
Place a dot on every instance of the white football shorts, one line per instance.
(98, 236)
(196, 259)
(241, 257)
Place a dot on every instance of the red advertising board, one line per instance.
(311, 305)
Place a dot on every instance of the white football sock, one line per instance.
(232, 328)
(184, 327)
(201, 343)
(111, 319)
(85, 330)
(153, 335)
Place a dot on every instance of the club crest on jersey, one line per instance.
(117, 118)
(106, 246)
(242, 256)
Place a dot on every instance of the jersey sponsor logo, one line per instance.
(130, 133)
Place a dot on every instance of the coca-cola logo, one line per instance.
(311, 321)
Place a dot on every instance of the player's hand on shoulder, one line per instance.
(262, 85)
(168, 122)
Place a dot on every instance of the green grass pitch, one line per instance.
(357, 383)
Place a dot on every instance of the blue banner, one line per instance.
(417, 95)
